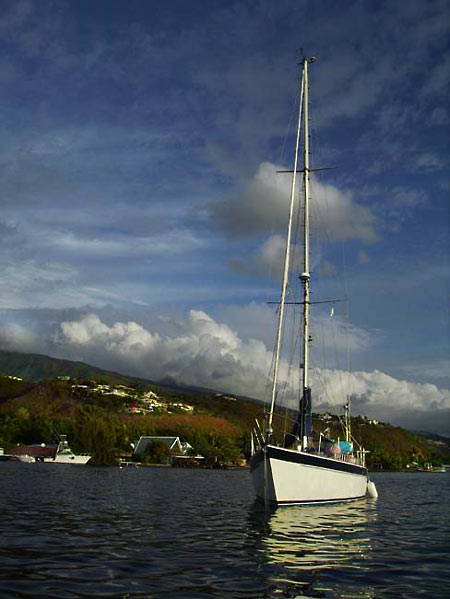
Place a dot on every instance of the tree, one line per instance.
(156, 452)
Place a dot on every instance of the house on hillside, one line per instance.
(177, 451)
(176, 447)
(152, 402)
(148, 395)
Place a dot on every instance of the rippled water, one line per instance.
(71, 532)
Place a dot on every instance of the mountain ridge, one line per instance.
(42, 395)
(34, 366)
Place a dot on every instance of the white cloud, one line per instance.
(169, 242)
(15, 337)
(204, 353)
(429, 161)
(378, 395)
(211, 354)
(27, 282)
(263, 206)
(376, 391)
(268, 258)
(340, 215)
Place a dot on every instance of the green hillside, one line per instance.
(104, 412)
(104, 418)
(40, 367)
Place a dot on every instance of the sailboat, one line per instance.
(295, 471)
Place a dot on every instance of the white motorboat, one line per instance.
(25, 458)
(64, 455)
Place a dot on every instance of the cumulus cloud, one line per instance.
(266, 259)
(203, 352)
(263, 206)
(16, 337)
(337, 212)
(370, 390)
(378, 395)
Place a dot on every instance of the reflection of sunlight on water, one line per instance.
(313, 537)
(313, 551)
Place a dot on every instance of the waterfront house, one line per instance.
(176, 447)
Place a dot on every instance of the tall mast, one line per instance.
(286, 267)
(305, 276)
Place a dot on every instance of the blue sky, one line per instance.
(142, 216)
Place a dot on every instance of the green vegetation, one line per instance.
(156, 453)
(39, 367)
(104, 413)
(393, 448)
(98, 423)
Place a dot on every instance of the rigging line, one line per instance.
(271, 268)
(292, 349)
(315, 134)
(324, 231)
(268, 381)
(324, 357)
(319, 377)
(295, 329)
(338, 360)
(303, 93)
(317, 216)
(291, 367)
(294, 316)
(285, 422)
(318, 212)
(347, 308)
(336, 356)
(288, 128)
(269, 378)
(283, 145)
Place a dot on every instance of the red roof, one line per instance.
(36, 451)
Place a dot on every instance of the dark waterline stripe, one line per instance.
(319, 501)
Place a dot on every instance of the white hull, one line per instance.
(64, 455)
(285, 476)
(79, 460)
(27, 459)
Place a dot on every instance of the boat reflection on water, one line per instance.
(317, 551)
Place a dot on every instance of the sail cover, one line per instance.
(305, 411)
(304, 415)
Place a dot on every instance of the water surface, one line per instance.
(128, 533)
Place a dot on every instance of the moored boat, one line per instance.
(64, 455)
(296, 471)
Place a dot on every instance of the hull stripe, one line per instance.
(321, 501)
